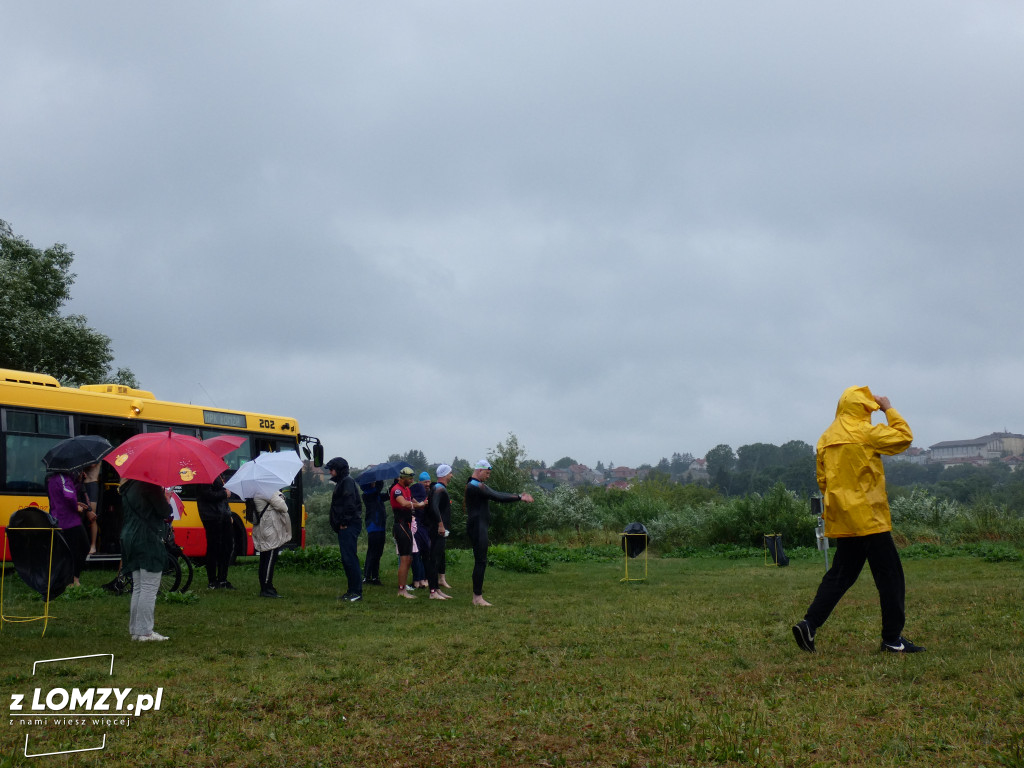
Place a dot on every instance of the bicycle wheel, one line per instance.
(185, 564)
(171, 577)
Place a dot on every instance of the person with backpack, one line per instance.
(346, 521)
(271, 530)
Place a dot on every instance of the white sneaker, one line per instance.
(152, 637)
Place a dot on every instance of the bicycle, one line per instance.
(177, 573)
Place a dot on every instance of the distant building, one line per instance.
(998, 445)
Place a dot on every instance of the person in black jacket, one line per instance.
(478, 520)
(214, 512)
(346, 521)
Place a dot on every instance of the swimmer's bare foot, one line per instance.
(435, 595)
(479, 600)
(405, 593)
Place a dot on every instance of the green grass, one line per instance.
(695, 666)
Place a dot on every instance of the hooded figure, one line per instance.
(852, 480)
(346, 521)
(849, 465)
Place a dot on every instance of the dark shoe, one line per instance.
(376, 582)
(213, 585)
(901, 646)
(354, 597)
(268, 593)
(227, 585)
(346, 596)
(804, 636)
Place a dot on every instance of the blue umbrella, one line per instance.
(387, 471)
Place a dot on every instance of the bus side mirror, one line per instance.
(318, 455)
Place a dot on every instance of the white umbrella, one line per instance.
(265, 475)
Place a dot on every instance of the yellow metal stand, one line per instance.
(45, 618)
(773, 561)
(635, 578)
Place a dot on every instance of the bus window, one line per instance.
(28, 436)
(237, 457)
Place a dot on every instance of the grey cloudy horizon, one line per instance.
(618, 231)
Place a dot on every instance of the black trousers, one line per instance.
(477, 531)
(880, 552)
(219, 545)
(374, 549)
(268, 559)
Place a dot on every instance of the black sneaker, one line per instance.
(901, 646)
(346, 596)
(227, 585)
(354, 597)
(268, 593)
(213, 585)
(804, 636)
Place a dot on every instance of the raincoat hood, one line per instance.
(339, 465)
(853, 418)
(849, 465)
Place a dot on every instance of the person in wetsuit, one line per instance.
(478, 520)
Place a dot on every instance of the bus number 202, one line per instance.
(266, 423)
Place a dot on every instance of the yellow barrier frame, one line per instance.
(626, 548)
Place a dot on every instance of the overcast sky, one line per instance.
(617, 230)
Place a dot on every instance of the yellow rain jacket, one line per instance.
(849, 468)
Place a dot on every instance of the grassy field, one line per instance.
(694, 666)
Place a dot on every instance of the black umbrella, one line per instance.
(635, 542)
(32, 534)
(386, 471)
(76, 452)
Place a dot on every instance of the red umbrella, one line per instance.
(166, 459)
(222, 445)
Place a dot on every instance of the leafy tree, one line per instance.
(34, 336)
(416, 458)
(720, 459)
(564, 463)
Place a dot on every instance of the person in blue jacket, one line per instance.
(376, 531)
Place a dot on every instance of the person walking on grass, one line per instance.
(478, 520)
(852, 481)
(346, 519)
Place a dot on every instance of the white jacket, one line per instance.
(275, 526)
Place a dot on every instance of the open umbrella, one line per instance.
(387, 471)
(166, 459)
(222, 445)
(265, 475)
(40, 553)
(76, 452)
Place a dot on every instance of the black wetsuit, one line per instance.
(440, 510)
(478, 520)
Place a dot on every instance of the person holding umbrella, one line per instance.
(271, 530)
(376, 533)
(69, 512)
(143, 553)
(64, 461)
(215, 514)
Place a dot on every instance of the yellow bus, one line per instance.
(36, 412)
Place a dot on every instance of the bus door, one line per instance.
(108, 507)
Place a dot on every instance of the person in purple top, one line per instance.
(67, 510)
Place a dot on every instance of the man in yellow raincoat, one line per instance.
(852, 480)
